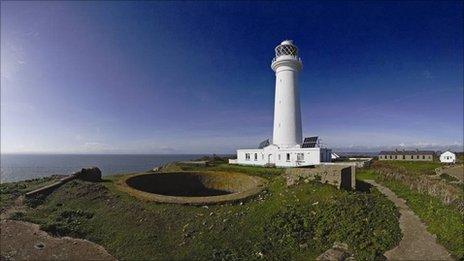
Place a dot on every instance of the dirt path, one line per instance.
(417, 242)
(25, 241)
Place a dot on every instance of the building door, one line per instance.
(270, 159)
(346, 179)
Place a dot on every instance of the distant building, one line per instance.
(405, 155)
(447, 157)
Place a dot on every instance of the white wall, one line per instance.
(278, 156)
(287, 113)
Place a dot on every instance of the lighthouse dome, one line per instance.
(286, 48)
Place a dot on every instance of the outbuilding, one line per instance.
(447, 157)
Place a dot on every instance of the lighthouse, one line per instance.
(287, 113)
(287, 149)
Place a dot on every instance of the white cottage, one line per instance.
(287, 148)
(447, 157)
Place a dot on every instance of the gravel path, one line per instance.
(417, 242)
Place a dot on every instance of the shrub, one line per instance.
(68, 223)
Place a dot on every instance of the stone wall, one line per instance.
(89, 174)
(338, 175)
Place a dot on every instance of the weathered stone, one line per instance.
(89, 174)
(341, 176)
(339, 252)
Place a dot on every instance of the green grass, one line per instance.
(444, 221)
(281, 223)
(365, 174)
(413, 167)
(252, 170)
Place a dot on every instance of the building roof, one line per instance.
(407, 152)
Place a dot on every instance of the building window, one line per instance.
(247, 156)
(256, 156)
(288, 156)
(278, 156)
(262, 156)
(423, 157)
(300, 157)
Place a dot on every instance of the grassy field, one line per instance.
(281, 223)
(445, 221)
(413, 167)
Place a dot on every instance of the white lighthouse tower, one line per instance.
(287, 148)
(287, 112)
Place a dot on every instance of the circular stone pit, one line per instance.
(193, 188)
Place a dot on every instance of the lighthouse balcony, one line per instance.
(287, 57)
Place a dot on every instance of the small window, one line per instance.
(278, 156)
(247, 156)
(396, 157)
(423, 157)
(256, 156)
(300, 157)
(288, 156)
(262, 156)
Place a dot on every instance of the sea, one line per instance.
(18, 167)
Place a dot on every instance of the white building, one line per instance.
(447, 157)
(287, 148)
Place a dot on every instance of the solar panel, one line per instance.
(310, 142)
(264, 144)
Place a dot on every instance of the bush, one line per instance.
(34, 201)
(68, 223)
(17, 215)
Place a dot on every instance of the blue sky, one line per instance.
(195, 77)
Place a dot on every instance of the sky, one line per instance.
(195, 77)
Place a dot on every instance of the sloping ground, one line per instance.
(25, 241)
(428, 197)
(299, 222)
(417, 242)
(455, 171)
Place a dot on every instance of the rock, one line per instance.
(89, 174)
(342, 246)
(339, 252)
(39, 246)
(333, 254)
